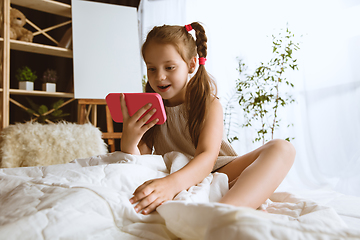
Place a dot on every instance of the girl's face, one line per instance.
(167, 72)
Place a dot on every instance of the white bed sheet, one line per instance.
(89, 199)
(346, 206)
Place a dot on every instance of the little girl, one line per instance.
(194, 126)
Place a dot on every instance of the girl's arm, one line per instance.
(153, 193)
(207, 150)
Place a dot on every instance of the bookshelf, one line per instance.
(6, 44)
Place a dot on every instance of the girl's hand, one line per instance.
(153, 193)
(134, 127)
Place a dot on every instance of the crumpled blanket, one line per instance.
(89, 199)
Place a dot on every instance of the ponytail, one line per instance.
(200, 89)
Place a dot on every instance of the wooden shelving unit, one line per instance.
(48, 6)
(39, 93)
(39, 48)
(6, 44)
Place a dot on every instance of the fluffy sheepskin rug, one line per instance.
(35, 144)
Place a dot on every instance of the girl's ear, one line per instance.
(192, 64)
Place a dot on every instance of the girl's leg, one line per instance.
(254, 176)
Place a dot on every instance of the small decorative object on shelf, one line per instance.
(66, 40)
(49, 80)
(17, 31)
(43, 114)
(26, 78)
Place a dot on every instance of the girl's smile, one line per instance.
(164, 88)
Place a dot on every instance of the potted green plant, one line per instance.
(44, 114)
(267, 89)
(49, 80)
(26, 78)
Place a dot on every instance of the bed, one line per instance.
(88, 198)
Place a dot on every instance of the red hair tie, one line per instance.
(188, 27)
(202, 61)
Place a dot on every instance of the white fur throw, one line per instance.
(35, 144)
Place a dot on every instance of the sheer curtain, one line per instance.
(159, 12)
(326, 114)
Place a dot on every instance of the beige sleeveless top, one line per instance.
(173, 135)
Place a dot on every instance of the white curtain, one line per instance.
(326, 115)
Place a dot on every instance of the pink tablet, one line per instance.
(135, 101)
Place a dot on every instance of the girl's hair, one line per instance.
(200, 88)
